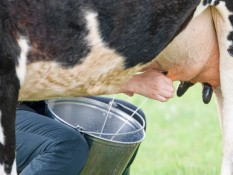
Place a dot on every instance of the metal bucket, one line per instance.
(112, 135)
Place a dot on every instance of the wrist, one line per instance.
(131, 85)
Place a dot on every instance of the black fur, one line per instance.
(229, 5)
(55, 28)
(8, 100)
(9, 85)
(138, 30)
(205, 2)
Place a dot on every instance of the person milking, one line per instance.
(47, 147)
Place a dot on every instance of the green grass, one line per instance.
(183, 137)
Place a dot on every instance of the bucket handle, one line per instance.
(142, 120)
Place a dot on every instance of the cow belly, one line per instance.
(100, 73)
(48, 79)
(193, 55)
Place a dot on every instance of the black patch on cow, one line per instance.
(230, 37)
(216, 2)
(9, 84)
(56, 29)
(206, 2)
(230, 49)
(229, 4)
(8, 99)
(9, 49)
(139, 30)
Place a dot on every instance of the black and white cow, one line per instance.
(51, 48)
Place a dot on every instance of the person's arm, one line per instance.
(152, 84)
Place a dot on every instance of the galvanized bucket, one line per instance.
(112, 135)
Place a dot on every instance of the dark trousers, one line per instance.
(45, 146)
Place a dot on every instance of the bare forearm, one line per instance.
(152, 84)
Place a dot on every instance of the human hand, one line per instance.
(152, 84)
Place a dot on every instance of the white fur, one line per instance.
(94, 37)
(14, 168)
(2, 171)
(22, 60)
(13, 172)
(2, 141)
(200, 8)
(2, 138)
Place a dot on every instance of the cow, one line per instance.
(51, 48)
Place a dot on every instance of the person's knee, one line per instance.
(73, 152)
(80, 155)
(82, 150)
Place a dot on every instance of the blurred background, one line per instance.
(183, 136)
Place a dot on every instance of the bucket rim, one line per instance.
(51, 102)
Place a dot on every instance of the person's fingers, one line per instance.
(151, 84)
(165, 88)
(166, 93)
(169, 89)
(164, 83)
(167, 80)
(160, 98)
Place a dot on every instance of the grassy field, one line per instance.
(183, 137)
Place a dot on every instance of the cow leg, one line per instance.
(12, 72)
(9, 89)
(10, 75)
(224, 28)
